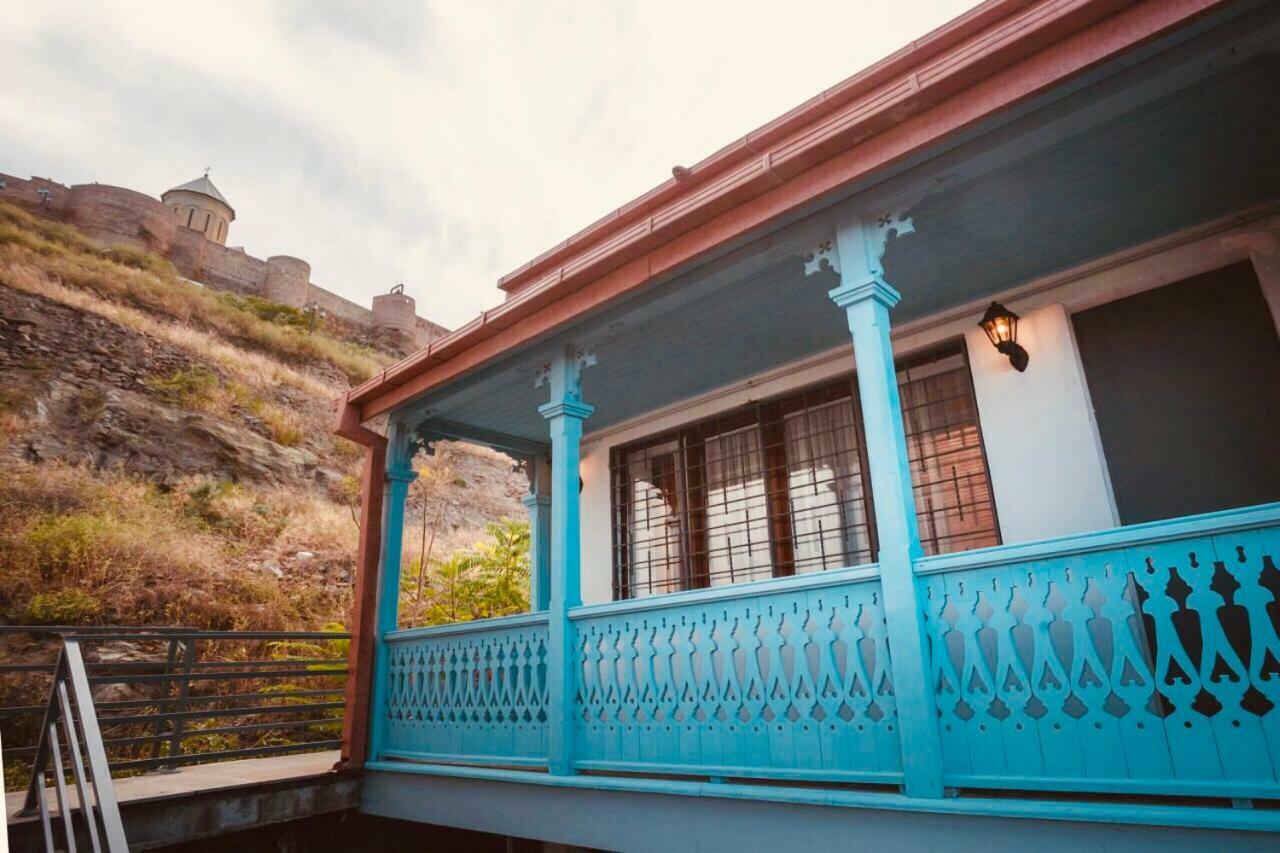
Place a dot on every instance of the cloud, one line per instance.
(439, 144)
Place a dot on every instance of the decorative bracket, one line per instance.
(579, 358)
(403, 445)
(873, 233)
(857, 242)
(822, 258)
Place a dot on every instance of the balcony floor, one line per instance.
(662, 815)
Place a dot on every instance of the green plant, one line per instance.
(65, 543)
(272, 312)
(491, 579)
(190, 388)
(201, 504)
(63, 607)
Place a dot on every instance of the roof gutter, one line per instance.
(997, 55)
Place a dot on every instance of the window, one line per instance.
(782, 487)
(954, 507)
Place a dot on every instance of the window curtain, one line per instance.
(828, 509)
(655, 530)
(737, 514)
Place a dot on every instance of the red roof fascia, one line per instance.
(994, 56)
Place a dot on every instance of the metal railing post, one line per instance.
(60, 787)
(70, 669)
(87, 808)
(184, 690)
(157, 729)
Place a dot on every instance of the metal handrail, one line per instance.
(79, 723)
(184, 689)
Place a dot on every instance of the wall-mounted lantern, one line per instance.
(1001, 326)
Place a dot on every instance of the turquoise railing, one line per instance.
(1140, 660)
(781, 679)
(474, 692)
(1143, 659)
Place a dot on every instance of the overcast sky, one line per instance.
(439, 144)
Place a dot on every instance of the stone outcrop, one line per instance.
(83, 381)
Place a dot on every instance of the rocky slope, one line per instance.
(92, 393)
(168, 452)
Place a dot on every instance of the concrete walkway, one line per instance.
(200, 778)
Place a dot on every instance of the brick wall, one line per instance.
(232, 269)
(118, 215)
(25, 194)
(344, 309)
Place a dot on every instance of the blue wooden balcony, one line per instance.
(1140, 660)
(1118, 675)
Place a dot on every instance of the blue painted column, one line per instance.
(538, 503)
(565, 413)
(401, 448)
(866, 298)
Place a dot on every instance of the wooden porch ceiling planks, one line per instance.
(1050, 209)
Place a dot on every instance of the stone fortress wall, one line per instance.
(118, 215)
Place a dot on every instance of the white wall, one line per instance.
(1047, 467)
(597, 538)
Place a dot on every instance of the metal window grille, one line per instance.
(954, 507)
(782, 487)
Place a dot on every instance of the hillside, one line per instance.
(167, 452)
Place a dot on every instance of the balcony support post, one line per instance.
(538, 503)
(402, 445)
(866, 298)
(565, 414)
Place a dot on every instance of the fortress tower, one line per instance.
(188, 226)
(198, 204)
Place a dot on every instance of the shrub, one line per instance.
(283, 426)
(190, 388)
(88, 403)
(272, 312)
(11, 400)
(491, 579)
(71, 543)
(139, 260)
(63, 607)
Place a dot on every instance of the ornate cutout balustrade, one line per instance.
(475, 692)
(1144, 659)
(1141, 660)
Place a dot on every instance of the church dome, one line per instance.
(199, 205)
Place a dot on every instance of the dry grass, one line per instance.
(249, 379)
(127, 277)
(254, 368)
(86, 548)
